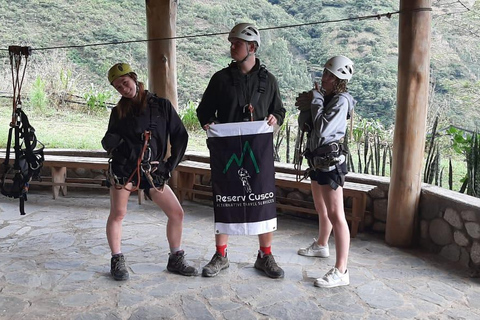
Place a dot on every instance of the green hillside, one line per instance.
(295, 54)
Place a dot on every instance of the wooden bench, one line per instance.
(358, 192)
(59, 181)
(59, 164)
(187, 170)
(186, 189)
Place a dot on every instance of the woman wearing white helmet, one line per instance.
(323, 113)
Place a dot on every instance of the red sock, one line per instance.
(266, 250)
(222, 250)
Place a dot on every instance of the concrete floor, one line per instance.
(54, 264)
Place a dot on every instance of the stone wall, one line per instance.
(449, 224)
(448, 221)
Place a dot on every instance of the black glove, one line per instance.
(162, 171)
(304, 101)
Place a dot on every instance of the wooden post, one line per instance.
(162, 63)
(410, 121)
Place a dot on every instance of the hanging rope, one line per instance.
(28, 158)
(375, 16)
(16, 53)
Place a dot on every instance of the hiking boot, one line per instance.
(177, 264)
(267, 264)
(217, 264)
(118, 269)
(315, 250)
(333, 278)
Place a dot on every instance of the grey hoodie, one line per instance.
(329, 122)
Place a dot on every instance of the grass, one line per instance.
(459, 169)
(76, 129)
(72, 129)
(61, 129)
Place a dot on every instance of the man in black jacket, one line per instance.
(244, 91)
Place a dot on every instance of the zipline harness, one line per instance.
(29, 159)
(300, 153)
(248, 108)
(144, 163)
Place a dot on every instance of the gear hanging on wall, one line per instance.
(28, 151)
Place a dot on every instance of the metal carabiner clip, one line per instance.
(336, 147)
(38, 165)
(146, 133)
(146, 167)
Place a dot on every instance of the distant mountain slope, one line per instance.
(295, 54)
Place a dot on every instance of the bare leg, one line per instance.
(221, 239)
(333, 200)
(324, 224)
(265, 239)
(118, 210)
(168, 202)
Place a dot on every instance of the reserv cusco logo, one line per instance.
(246, 196)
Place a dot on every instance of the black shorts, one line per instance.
(144, 183)
(334, 178)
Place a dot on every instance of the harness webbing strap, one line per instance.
(242, 102)
(299, 154)
(144, 163)
(326, 149)
(137, 171)
(27, 162)
(262, 85)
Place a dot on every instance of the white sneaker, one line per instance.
(314, 250)
(333, 278)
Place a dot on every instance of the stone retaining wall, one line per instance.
(449, 224)
(448, 221)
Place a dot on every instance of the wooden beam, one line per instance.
(162, 65)
(410, 121)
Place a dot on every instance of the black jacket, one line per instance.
(124, 137)
(221, 104)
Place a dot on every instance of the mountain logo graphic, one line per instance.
(247, 151)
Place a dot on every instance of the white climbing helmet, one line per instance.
(341, 67)
(245, 31)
